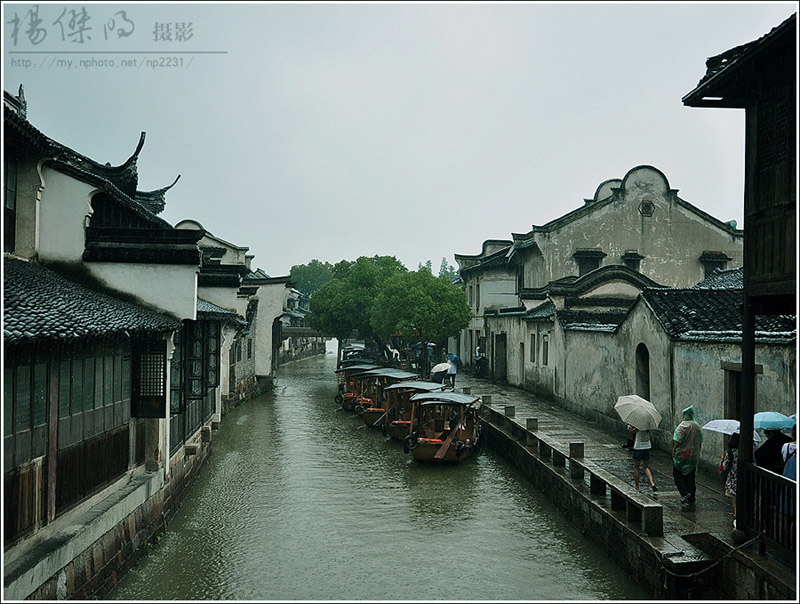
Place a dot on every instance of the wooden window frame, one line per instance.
(149, 379)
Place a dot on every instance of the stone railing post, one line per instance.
(576, 453)
(532, 425)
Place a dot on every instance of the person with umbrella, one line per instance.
(439, 371)
(686, 443)
(641, 416)
(641, 453)
(454, 361)
(768, 455)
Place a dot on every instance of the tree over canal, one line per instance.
(421, 307)
(378, 298)
(308, 278)
(342, 307)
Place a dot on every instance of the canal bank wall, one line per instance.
(629, 527)
(85, 553)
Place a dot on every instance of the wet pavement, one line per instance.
(711, 513)
(685, 526)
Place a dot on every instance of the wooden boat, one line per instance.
(348, 386)
(373, 406)
(357, 354)
(399, 406)
(448, 427)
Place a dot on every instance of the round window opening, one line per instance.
(646, 208)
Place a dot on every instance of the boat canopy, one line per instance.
(421, 385)
(456, 398)
(362, 367)
(387, 372)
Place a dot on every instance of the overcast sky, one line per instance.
(332, 131)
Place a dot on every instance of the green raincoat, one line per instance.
(689, 437)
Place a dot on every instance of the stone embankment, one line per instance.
(672, 550)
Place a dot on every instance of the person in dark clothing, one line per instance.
(768, 455)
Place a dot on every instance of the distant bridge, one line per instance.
(307, 332)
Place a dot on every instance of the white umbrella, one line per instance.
(638, 412)
(727, 426)
(440, 367)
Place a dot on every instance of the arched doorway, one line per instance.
(643, 371)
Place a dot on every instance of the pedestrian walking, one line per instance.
(686, 443)
(729, 469)
(641, 455)
(789, 453)
(768, 455)
(451, 372)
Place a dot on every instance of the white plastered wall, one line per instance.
(170, 288)
(63, 211)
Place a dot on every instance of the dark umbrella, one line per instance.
(455, 358)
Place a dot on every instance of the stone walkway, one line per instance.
(711, 514)
(713, 511)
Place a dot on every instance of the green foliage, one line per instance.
(343, 305)
(421, 307)
(427, 266)
(308, 278)
(445, 269)
(448, 270)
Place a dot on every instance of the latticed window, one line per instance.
(195, 333)
(213, 353)
(148, 396)
(151, 372)
(176, 404)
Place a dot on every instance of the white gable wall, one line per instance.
(271, 298)
(63, 212)
(224, 297)
(168, 287)
(671, 240)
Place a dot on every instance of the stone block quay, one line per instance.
(672, 550)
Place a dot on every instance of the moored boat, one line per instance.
(374, 406)
(399, 408)
(448, 428)
(349, 387)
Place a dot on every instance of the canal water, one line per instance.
(299, 500)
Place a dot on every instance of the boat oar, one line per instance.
(379, 419)
(446, 445)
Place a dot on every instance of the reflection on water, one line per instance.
(301, 501)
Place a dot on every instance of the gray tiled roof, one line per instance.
(208, 310)
(591, 320)
(545, 311)
(713, 315)
(723, 279)
(39, 304)
(119, 182)
(725, 60)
